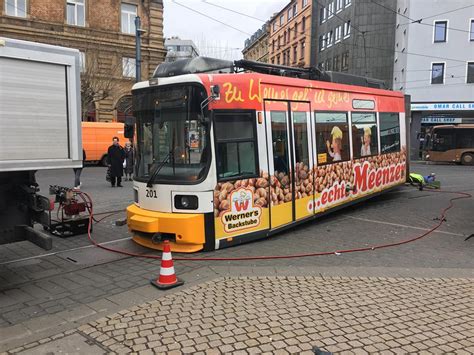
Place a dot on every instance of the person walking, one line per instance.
(129, 157)
(115, 159)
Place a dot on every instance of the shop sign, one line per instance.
(441, 120)
(443, 106)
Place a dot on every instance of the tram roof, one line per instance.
(201, 65)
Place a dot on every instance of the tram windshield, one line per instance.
(172, 138)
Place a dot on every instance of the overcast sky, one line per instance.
(211, 37)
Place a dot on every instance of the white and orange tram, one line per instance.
(226, 158)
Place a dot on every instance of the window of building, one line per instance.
(282, 20)
(338, 34)
(129, 66)
(302, 46)
(345, 61)
(296, 31)
(82, 61)
(305, 2)
(284, 58)
(295, 9)
(339, 5)
(295, 54)
(274, 26)
(321, 43)
(76, 13)
(347, 2)
(440, 31)
(332, 137)
(15, 8)
(303, 24)
(364, 134)
(470, 73)
(331, 9)
(471, 31)
(236, 145)
(273, 46)
(330, 38)
(347, 29)
(437, 73)
(290, 13)
(336, 62)
(129, 12)
(389, 132)
(322, 15)
(328, 64)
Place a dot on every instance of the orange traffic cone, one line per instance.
(167, 278)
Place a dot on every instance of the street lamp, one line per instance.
(138, 51)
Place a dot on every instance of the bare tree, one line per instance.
(100, 77)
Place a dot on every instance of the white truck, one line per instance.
(40, 128)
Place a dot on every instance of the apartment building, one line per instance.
(290, 33)
(357, 37)
(104, 32)
(256, 47)
(434, 63)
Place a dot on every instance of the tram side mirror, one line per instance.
(215, 92)
(129, 127)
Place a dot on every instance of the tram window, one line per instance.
(364, 134)
(332, 137)
(236, 147)
(301, 137)
(389, 132)
(280, 142)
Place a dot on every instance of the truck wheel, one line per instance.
(467, 159)
(103, 161)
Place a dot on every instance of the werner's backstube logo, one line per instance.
(242, 214)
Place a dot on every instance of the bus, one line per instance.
(276, 146)
(451, 143)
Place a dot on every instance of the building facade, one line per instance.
(290, 33)
(104, 32)
(434, 64)
(357, 37)
(256, 47)
(178, 48)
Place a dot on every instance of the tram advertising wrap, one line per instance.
(261, 154)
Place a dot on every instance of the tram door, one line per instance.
(289, 149)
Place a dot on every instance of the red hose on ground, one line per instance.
(462, 195)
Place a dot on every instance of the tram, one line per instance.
(227, 157)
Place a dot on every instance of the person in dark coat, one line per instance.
(128, 161)
(115, 158)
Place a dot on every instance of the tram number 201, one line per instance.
(151, 193)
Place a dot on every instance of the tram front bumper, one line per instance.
(188, 229)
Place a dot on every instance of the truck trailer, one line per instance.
(40, 129)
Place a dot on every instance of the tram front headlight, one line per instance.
(186, 202)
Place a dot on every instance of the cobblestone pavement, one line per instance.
(43, 293)
(287, 315)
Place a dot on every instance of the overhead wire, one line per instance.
(419, 21)
(210, 17)
(365, 47)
